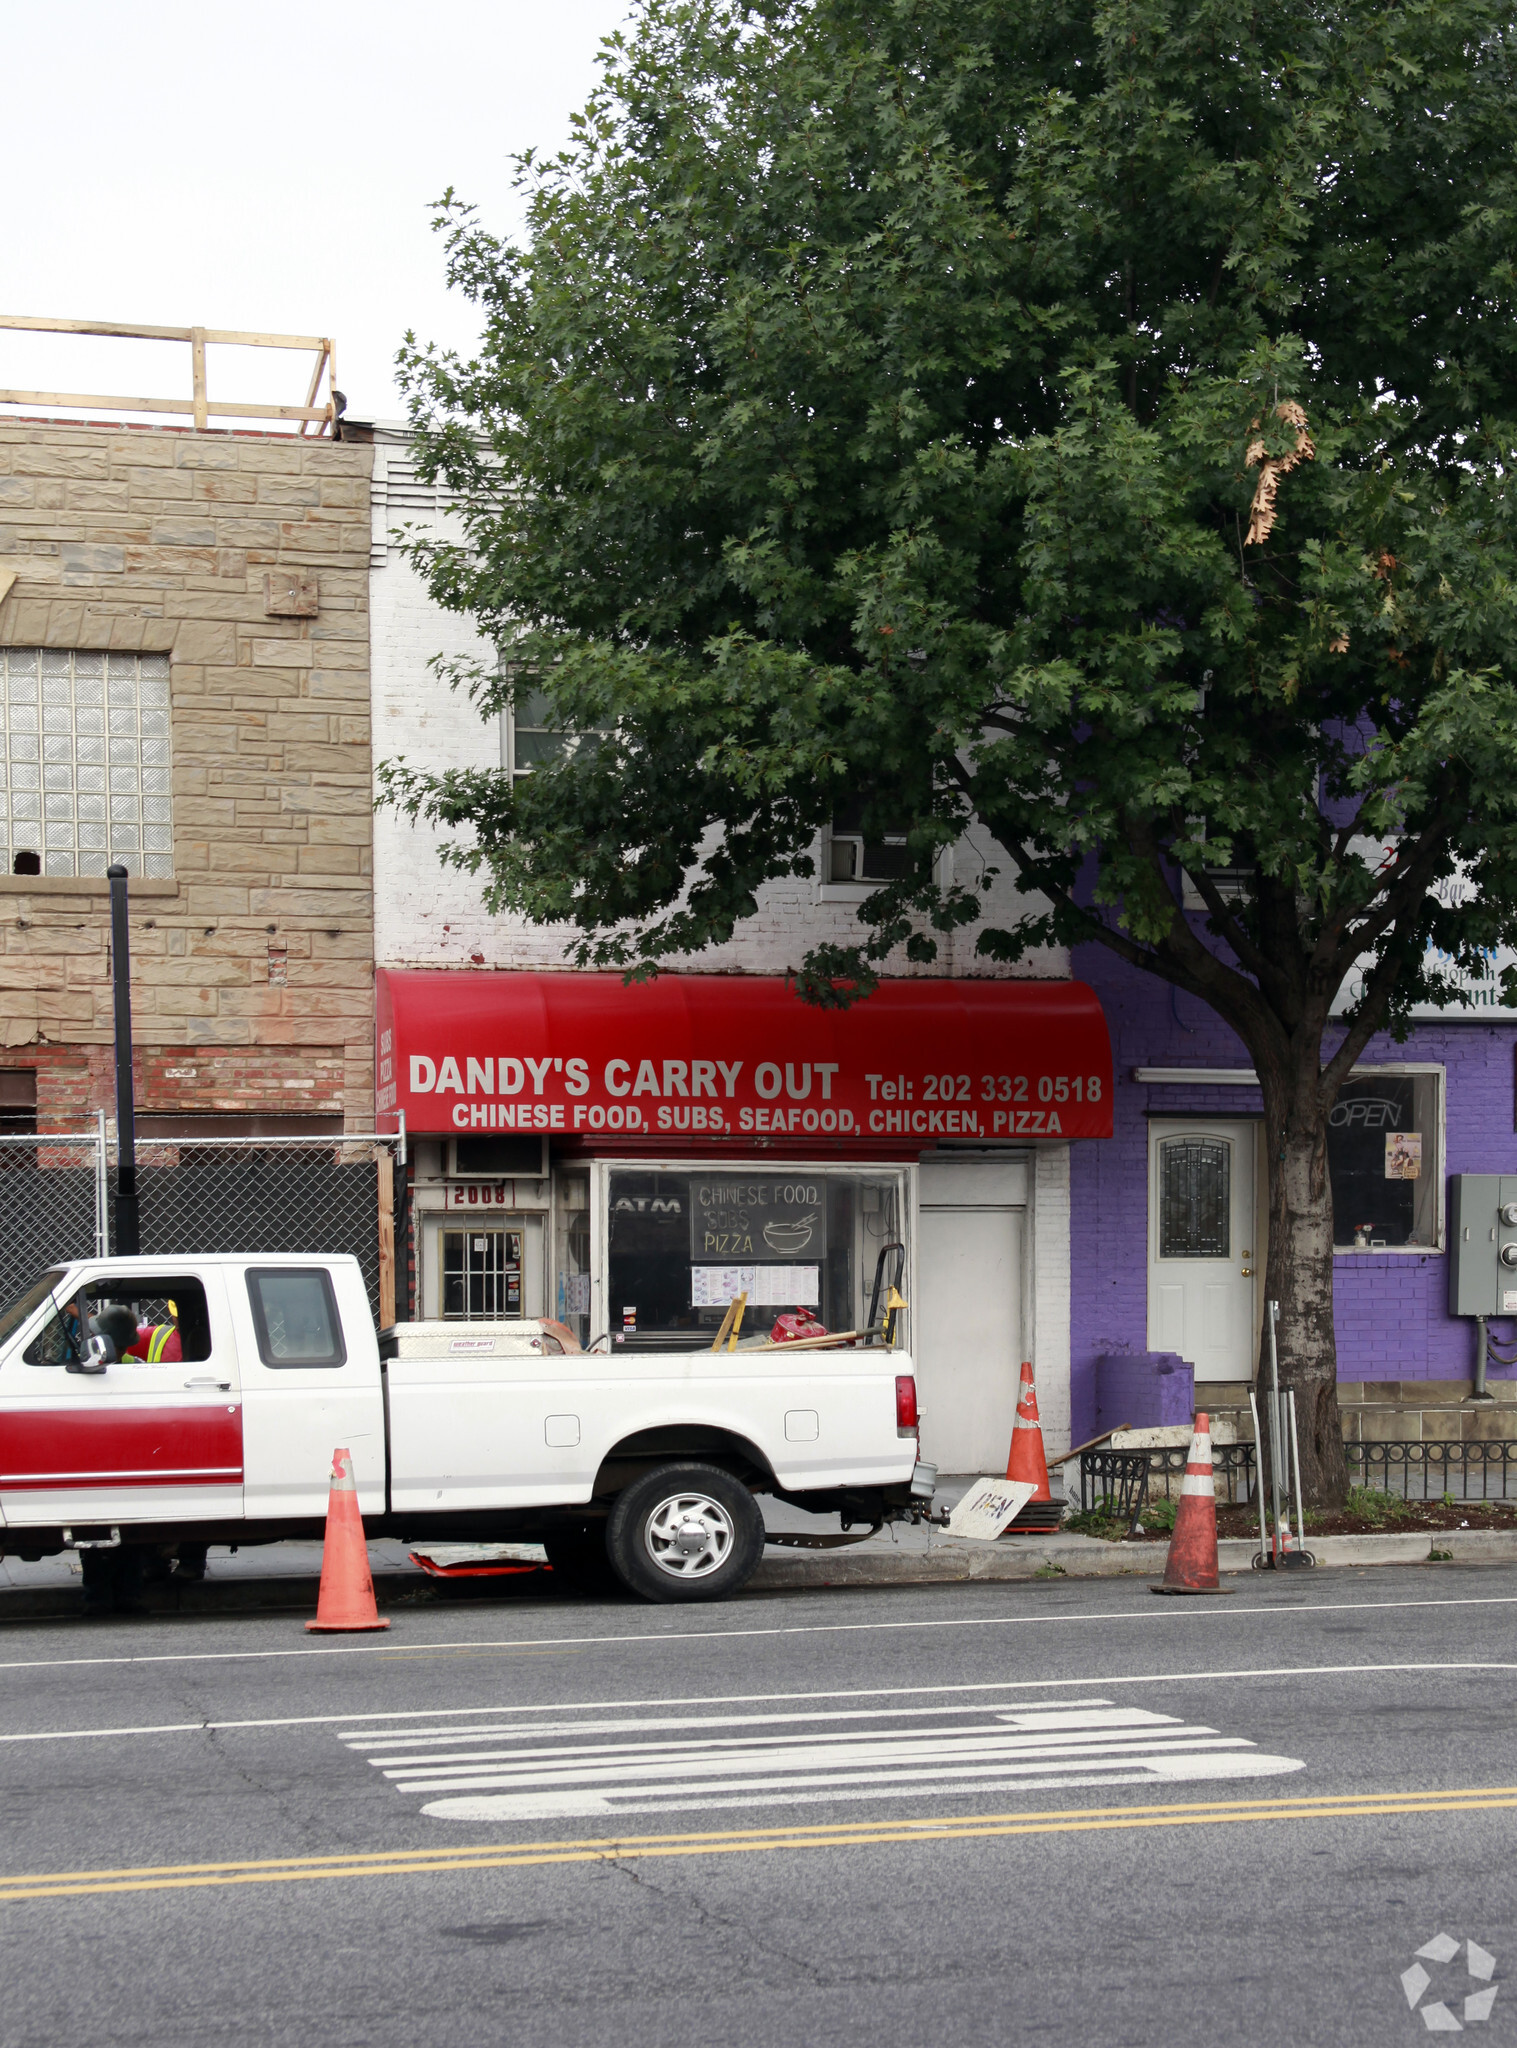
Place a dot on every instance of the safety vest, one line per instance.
(153, 1346)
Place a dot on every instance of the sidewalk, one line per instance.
(283, 1576)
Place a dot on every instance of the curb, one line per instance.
(947, 1563)
(1087, 1557)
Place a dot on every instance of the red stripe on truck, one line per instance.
(128, 1446)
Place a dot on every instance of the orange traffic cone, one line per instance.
(1191, 1566)
(1027, 1463)
(1027, 1460)
(345, 1603)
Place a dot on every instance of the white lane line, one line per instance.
(1168, 1612)
(389, 1717)
(1007, 1749)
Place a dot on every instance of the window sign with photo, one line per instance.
(1382, 1144)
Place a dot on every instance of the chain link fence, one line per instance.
(52, 1204)
(204, 1195)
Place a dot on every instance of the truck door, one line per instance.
(311, 1384)
(155, 1437)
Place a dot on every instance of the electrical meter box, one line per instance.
(1483, 1244)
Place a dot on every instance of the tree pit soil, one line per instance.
(1400, 1519)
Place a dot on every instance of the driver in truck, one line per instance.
(114, 1321)
(155, 1341)
(143, 1343)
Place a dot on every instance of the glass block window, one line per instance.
(86, 761)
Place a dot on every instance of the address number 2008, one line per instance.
(1013, 1088)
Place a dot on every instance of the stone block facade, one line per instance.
(252, 968)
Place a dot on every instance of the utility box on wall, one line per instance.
(1483, 1244)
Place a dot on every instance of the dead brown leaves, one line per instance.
(1261, 518)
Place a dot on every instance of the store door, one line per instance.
(481, 1275)
(966, 1311)
(1201, 1264)
(484, 1272)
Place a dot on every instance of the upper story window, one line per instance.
(855, 855)
(85, 762)
(528, 736)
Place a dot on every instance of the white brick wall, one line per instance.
(1048, 1291)
(427, 915)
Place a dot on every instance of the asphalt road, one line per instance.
(963, 1814)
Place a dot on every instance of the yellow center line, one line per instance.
(827, 1835)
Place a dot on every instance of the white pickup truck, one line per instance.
(158, 1403)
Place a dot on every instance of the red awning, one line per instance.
(737, 1059)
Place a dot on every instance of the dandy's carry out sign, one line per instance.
(730, 1058)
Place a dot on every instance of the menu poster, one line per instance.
(765, 1286)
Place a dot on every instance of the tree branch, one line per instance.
(1401, 893)
(1382, 981)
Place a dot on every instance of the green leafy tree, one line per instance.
(1092, 420)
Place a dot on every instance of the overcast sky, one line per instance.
(264, 166)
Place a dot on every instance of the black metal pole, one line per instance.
(126, 1240)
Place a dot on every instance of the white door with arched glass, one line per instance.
(1201, 1245)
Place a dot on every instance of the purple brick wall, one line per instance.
(1142, 1390)
(1392, 1308)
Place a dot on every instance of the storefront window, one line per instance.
(571, 1264)
(683, 1245)
(1382, 1155)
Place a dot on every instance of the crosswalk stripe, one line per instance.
(690, 1762)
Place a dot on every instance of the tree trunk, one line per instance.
(1299, 1276)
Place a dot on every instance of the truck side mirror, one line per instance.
(99, 1352)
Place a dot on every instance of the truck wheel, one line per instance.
(578, 1558)
(685, 1532)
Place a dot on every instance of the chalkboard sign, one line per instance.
(749, 1216)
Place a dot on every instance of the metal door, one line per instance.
(1201, 1264)
(966, 1310)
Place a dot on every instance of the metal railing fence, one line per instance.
(1122, 1483)
(1429, 1470)
(203, 1195)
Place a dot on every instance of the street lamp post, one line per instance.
(126, 1236)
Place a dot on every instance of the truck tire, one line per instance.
(685, 1531)
(577, 1555)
